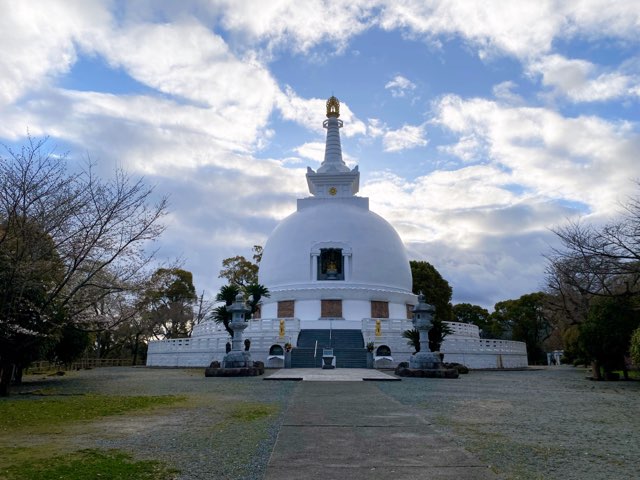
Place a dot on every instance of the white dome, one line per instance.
(378, 257)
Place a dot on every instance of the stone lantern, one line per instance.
(237, 358)
(422, 321)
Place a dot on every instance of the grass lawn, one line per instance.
(49, 411)
(89, 464)
(125, 423)
(46, 413)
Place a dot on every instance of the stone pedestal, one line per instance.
(237, 363)
(235, 359)
(424, 363)
(287, 359)
(403, 370)
(426, 360)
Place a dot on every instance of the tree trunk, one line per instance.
(595, 369)
(6, 374)
(135, 350)
(17, 375)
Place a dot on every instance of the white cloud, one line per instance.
(186, 60)
(504, 92)
(583, 159)
(490, 26)
(581, 81)
(400, 86)
(211, 89)
(497, 27)
(312, 151)
(375, 127)
(483, 237)
(311, 112)
(299, 25)
(138, 118)
(315, 151)
(467, 148)
(407, 136)
(37, 40)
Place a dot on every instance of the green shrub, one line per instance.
(634, 349)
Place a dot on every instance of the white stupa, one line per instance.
(333, 257)
(339, 277)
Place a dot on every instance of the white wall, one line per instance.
(200, 351)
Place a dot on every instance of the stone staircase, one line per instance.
(348, 347)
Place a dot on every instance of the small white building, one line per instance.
(339, 276)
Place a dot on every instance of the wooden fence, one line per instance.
(82, 364)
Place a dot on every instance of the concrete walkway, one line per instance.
(351, 430)
(331, 375)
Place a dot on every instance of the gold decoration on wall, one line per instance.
(281, 328)
(378, 328)
(333, 107)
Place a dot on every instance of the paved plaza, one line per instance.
(331, 375)
(336, 430)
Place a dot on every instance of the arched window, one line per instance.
(276, 350)
(383, 351)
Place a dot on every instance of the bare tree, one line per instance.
(595, 265)
(60, 233)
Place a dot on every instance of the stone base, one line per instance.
(462, 369)
(237, 359)
(426, 361)
(234, 372)
(427, 372)
(405, 369)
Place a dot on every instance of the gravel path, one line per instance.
(538, 424)
(545, 424)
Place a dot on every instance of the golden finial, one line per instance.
(333, 107)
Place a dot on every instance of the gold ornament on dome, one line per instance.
(333, 107)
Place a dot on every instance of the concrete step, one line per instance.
(345, 358)
(336, 338)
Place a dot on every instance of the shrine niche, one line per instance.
(330, 264)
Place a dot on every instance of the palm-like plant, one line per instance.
(255, 292)
(439, 330)
(220, 314)
(228, 294)
(413, 338)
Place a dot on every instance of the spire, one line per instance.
(333, 178)
(333, 149)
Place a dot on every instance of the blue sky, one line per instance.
(477, 126)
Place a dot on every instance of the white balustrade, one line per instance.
(258, 325)
(464, 329)
(209, 339)
(402, 324)
(209, 335)
(454, 345)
